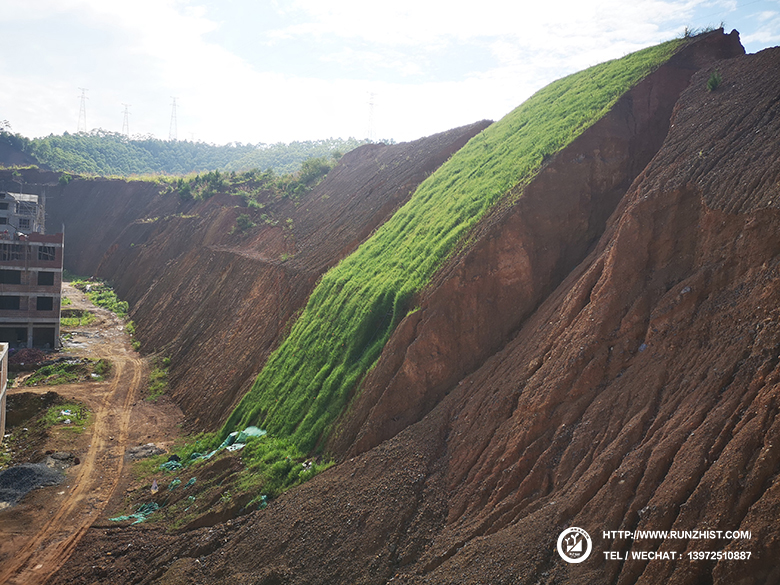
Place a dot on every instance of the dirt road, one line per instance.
(40, 533)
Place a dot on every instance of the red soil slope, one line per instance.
(203, 296)
(522, 252)
(641, 394)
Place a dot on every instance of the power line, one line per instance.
(173, 131)
(82, 127)
(126, 121)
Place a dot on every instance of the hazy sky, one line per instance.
(272, 70)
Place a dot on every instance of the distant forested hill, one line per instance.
(108, 153)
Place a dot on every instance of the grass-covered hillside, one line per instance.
(308, 381)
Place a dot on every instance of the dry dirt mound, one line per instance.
(641, 394)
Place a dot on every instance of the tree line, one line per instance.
(105, 153)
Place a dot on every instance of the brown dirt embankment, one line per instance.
(213, 301)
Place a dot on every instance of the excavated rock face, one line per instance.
(215, 302)
(641, 394)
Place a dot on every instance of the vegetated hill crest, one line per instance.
(105, 153)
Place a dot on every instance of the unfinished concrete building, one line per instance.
(30, 274)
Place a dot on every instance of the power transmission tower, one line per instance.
(126, 121)
(83, 111)
(173, 131)
(370, 132)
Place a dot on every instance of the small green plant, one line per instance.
(714, 81)
(158, 379)
(243, 223)
(103, 368)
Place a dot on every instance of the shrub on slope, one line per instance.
(350, 315)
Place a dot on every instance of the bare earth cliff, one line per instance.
(603, 354)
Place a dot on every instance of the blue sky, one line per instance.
(269, 71)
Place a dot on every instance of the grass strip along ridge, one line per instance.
(309, 379)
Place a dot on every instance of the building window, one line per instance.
(24, 224)
(46, 253)
(26, 208)
(9, 303)
(4, 205)
(10, 277)
(44, 304)
(3, 220)
(45, 279)
(11, 252)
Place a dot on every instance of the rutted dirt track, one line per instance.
(53, 525)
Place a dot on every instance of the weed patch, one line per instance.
(158, 379)
(70, 372)
(714, 81)
(72, 318)
(71, 414)
(102, 295)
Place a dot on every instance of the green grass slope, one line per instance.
(352, 312)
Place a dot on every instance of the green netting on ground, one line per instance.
(143, 512)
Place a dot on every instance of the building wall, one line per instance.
(20, 212)
(30, 290)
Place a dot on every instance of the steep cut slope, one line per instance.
(309, 380)
(204, 296)
(477, 301)
(641, 395)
